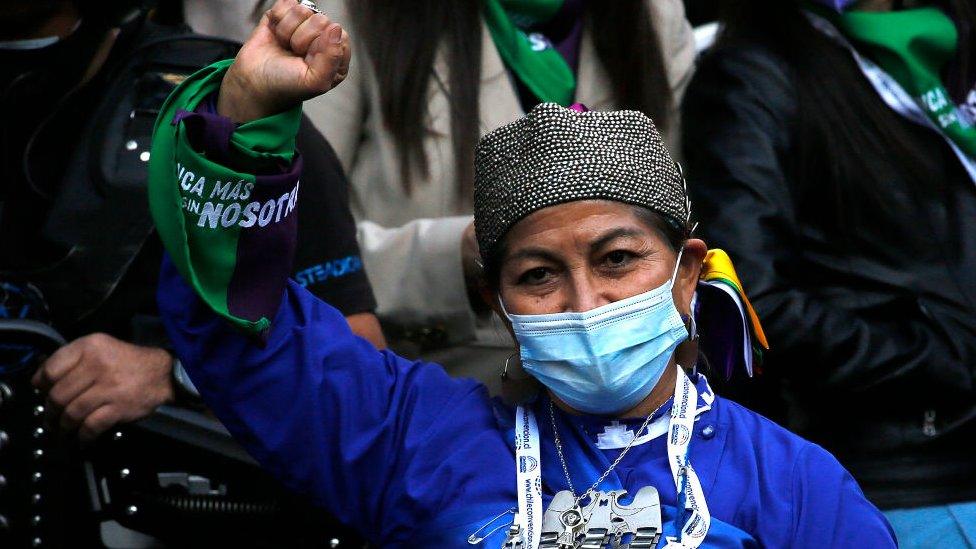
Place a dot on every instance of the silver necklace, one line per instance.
(604, 521)
(620, 457)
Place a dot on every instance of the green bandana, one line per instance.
(535, 62)
(204, 210)
(913, 46)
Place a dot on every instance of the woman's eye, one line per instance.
(618, 258)
(534, 276)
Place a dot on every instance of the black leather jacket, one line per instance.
(874, 346)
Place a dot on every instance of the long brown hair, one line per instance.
(403, 38)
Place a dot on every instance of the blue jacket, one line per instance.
(414, 458)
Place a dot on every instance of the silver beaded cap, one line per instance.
(554, 155)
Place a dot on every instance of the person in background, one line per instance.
(831, 151)
(76, 226)
(429, 78)
(583, 227)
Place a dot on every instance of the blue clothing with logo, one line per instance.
(411, 457)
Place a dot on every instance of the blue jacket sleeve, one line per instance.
(382, 443)
(829, 509)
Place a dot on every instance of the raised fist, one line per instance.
(293, 54)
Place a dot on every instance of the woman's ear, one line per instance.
(518, 387)
(688, 273)
(491, 299)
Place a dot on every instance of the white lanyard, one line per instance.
(891, 91)
(682, 425)
(528, 476)
(528, 472)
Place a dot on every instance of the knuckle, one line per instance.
(57, 398)
(95, 339)
(95, 343)
(299, 10)
(74, 413)
(321, 21)
(97, 423)
(47, 373)
(57, 394)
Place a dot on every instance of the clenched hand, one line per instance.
(293, 54)
(97, 381)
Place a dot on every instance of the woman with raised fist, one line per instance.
(430, 78)
(582, 223)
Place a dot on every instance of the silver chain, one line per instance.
(559, 450)
(562, 458)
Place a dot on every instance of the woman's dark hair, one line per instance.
(403, 40)
(839, 115)
(673, 232)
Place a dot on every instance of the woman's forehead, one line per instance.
(582, 220)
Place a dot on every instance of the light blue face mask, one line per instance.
(605, 360)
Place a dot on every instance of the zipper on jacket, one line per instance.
(928, 424)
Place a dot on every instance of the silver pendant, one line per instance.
(513, 538)
(603, 522)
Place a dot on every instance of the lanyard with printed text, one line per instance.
(691, 498)
(528, 475)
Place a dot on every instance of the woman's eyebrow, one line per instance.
(613, 234)
(532, 252)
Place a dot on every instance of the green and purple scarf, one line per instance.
(231, 234)
(534, 61)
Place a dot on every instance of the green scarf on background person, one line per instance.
(913, 46)
(536, 63)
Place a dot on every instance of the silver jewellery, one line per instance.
(310, 5)
(517, 386)
(504, 373)
(480, 534)
(602, 521)
(562, 458)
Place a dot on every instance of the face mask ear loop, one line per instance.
(674, 275)
(502, 305)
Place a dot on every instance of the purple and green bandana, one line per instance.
(914, 46)
(226, 230)
(536, 62)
